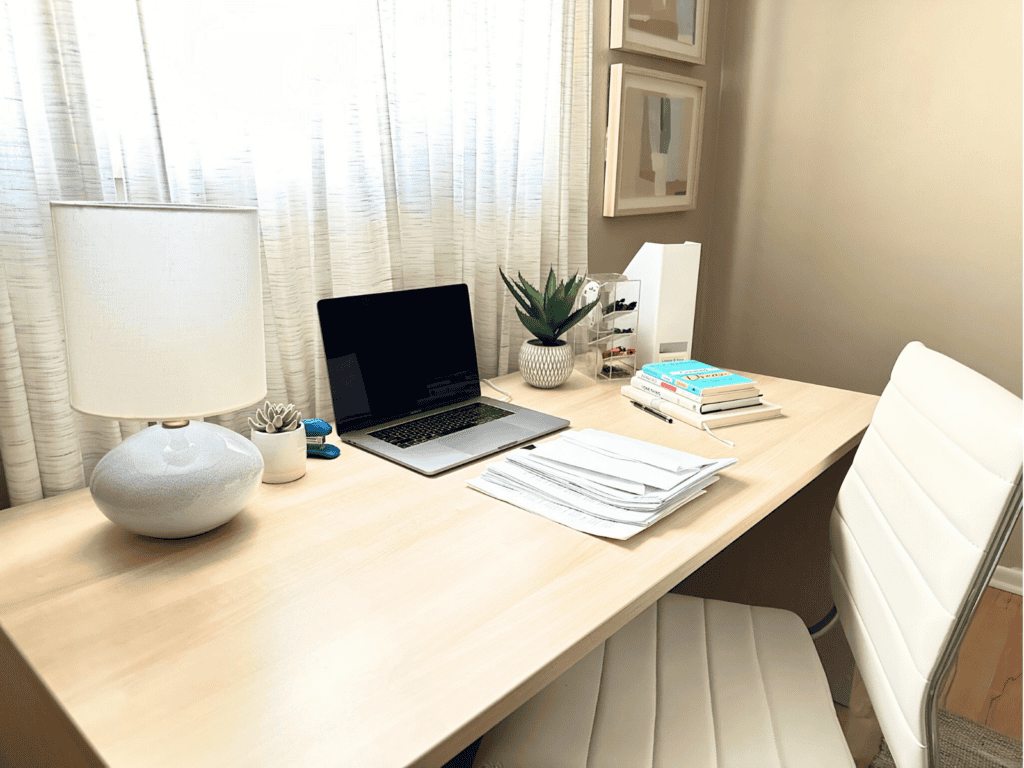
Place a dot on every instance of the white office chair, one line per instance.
(918, 526)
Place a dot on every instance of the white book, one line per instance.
(690, 404)
(720, 419)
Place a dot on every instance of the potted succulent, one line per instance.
(278, 432)
(546, 360)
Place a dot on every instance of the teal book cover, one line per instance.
(697, 377)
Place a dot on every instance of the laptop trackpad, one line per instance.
(486, 439)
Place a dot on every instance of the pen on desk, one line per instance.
(651, 411)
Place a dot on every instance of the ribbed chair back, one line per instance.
(918, 525)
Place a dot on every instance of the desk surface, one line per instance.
(365, 615)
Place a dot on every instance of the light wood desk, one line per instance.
(363, 615)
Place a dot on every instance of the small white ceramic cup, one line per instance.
(284, 454)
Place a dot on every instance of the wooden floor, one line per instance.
(986, 682)
(860, 726)
(985, 685)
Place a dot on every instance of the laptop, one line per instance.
(405, 385)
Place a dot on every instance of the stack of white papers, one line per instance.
(599, 483)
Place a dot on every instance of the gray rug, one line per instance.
(965, 744)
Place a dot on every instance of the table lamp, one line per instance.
(163, 316)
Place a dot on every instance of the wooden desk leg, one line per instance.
(863, 735)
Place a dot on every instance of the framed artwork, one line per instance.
(670, 29)
(654, 133)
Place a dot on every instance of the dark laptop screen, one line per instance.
(396, 353)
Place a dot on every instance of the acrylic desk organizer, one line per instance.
(606, 340)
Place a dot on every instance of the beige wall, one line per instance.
(860, 188)
(869, 189)
(614, 241)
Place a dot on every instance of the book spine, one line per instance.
(664, 393)
(730, 405)
(743, 415)
(699, 388)
(682, 385)
(667, 386)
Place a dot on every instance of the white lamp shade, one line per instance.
(163, 308)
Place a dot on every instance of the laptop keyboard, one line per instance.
(440, 424)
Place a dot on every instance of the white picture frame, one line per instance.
(670, 29)
(655, 122)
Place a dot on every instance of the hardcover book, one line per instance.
(697, 377)
(692, 403)
(752, 391)
(765, 410)
(716, 397)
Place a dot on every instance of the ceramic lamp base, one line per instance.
(174, 483)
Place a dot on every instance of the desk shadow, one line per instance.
(116, 550)
(465, 758)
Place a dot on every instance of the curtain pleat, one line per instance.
(388, 145)
(39, 448)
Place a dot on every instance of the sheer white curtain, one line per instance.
(388, 145)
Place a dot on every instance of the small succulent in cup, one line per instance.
(276, 418)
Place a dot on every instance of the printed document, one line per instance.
(599, 483)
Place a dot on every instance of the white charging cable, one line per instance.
(508, 395)
(707, 429)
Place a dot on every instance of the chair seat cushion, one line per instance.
(689, 683)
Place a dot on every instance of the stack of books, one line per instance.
(600, 483)
(699, 394)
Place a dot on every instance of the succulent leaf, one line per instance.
(536, 300)
(576, 316)
(522, 300)
(558, 312)
(573, 287)
(559, 293)
(539, 329)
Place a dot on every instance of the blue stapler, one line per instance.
(317, 446)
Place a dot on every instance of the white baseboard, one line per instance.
(1007, 579)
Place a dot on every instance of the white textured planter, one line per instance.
(545, 367)
(284, 454)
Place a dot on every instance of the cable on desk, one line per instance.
(508, 395)
(707, 429)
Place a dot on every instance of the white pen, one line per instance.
(651, 411)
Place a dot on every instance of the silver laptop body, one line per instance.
(402, 361)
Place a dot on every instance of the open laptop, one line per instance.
(405, 384)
